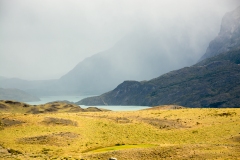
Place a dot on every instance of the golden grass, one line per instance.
(146, 134)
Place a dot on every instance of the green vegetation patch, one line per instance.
(122, 147)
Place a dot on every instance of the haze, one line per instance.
(44, 39)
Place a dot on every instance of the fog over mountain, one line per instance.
(45, 39)
(91, 46)
(213, 82)
(141, 55)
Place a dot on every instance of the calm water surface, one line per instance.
(47, 99)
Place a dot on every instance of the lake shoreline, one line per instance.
(75, 98)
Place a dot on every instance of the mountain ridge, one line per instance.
(141, 55)
(212, 82)
(189, 86)
(228, 37)
(16, 94)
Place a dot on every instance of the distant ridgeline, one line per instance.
(212, 82)
(17, 95)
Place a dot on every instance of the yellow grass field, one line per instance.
(131, 135)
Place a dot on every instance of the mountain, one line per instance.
(216, 84)
(141, 55)
(35, 87)
(144, 53)
(228, 37)
(16, 94)
(213, 82)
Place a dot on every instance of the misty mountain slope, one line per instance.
(145, 54)
(216, 84)
(17, 95)
(141, 55)
(150, 48)
(228, 37)
(90, 75)
(232, 56)
(213, 82)
(37, 87)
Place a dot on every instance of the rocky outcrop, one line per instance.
(228, 37)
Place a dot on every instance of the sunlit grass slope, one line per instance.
(9, 106)
(147, 134)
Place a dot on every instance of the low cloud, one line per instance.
(45, 39)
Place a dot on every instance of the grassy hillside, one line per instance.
(161, 133)
(52, 107)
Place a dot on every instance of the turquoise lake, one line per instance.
(47, 99)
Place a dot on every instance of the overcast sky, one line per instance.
(44, 39)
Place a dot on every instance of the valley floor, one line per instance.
(135, 135)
